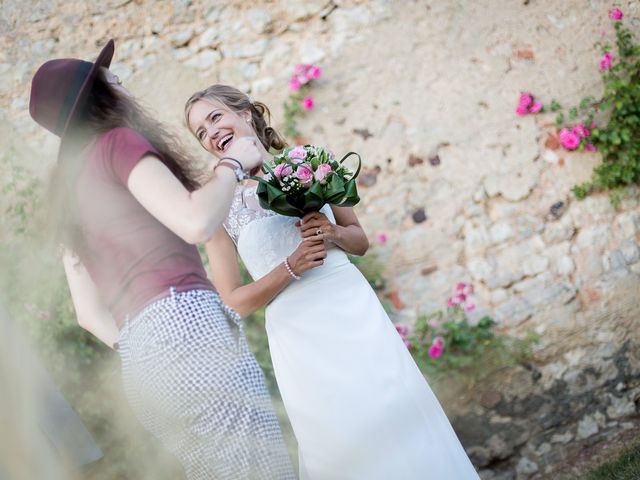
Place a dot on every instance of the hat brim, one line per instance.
(103, 60)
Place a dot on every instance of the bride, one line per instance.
(358, 404)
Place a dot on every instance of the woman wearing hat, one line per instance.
(129, 213)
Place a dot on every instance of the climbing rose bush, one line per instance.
(617, 132)
(299, 100)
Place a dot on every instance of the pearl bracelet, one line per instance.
(288, 267)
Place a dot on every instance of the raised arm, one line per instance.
(91, 312)
(193, 216)
(246, 299)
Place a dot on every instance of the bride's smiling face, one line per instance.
(216, 126)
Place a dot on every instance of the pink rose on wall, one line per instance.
(606, 62)
(314, 72)
(304, 173)
(458, 299)
(403, 331)
(294, 84)
(382, 238)
(464, 288)
(299, 101)
(581, 130)
(527, 104)
(307, 103)
(569, 139)
(536, 107)
(298, 152)
(301, 70)
(305, 72)
(616, 14)
(591, 147)
(526, 99)
(322, 172)
(437, 348)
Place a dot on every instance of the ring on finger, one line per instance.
(319, 231)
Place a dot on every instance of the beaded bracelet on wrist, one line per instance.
(289, 269)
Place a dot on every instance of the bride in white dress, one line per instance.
(358, 404)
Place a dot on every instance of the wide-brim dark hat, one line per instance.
(59, 90)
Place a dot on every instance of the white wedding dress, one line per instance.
(358, 404)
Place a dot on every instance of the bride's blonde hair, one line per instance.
(238, 101)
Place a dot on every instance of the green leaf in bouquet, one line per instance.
(273, 199)
(313, 198)
(315, 161)
(351, 197)
(269, 170)
(359, 163)
(335, 189)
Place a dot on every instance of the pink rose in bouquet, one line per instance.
(283, 170)
(304, 173)
(302, 179)
(298, 152)
(322, 172)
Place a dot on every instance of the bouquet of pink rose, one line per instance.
(304, 178)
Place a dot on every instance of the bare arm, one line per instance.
(91, 312)
(246, 299)
(193, 216)
(347, 233)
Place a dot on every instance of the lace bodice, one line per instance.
(264, 238)
(245, 208)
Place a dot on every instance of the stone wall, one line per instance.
(464, 189)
